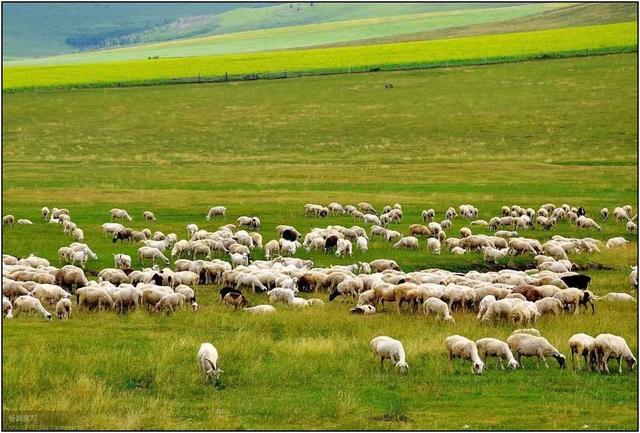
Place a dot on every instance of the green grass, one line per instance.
(528, 133)
(270, 39)
(512, 46)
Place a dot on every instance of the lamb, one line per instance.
(522, 344)
(119, 213)
(208, 361)
(151, 253)
(216, 211)
(433, 245)
(439, 308)
(499, 349)
(29, 304)
(365, 310)
(63, 309)
(408, 242)
(260, 309)
(606, 346)
(12, 289)
(247, 280)
(371, 219)
(149, 216)
(463, 348)
(581, 345)
(387, 348)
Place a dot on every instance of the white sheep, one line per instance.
(151, 253)
(434, 245)
(584, 222)
(531, 331)
(216, 211)
(499, 349)
(149, 216)
(631, 227)
(279, 294)
(63, 309)
(617, 242)
(439, 308)
(604, 214)
(484, 305)
(362, 243)
(365, 310)
(24, 221)
(522, 344)
(119, 213)
(388, 348)
(409, 242)
(458, 251)
(633, 277)
(208, 361)
(581, 345)
(607, 346)
(260, 309)
(122, 261)
(616, 297)
(344, 247)
(29, 304)
(7, 308)
(45, 213)
(463, 348)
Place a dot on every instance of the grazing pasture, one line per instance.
(525, 133)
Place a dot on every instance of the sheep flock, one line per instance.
(169, 270)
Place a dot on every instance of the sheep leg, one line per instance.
(620, 364)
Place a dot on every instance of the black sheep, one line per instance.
(289, 235)
(581, 211)
(330, 243)
(578, 281)
(226, 290)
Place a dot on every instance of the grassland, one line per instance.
(270, 39)
(477, 49)
(528, 133)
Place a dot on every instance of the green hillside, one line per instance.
(40, 29)
(303, 35)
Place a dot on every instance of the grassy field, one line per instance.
(610, 37)
(528, 133)
(270, 39)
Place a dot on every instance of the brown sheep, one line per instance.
(530, 292)
(419, 229)
(71, 278)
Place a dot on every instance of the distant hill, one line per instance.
(47, 29)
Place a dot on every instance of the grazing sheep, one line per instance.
(549, 306)
(632, 227)
(170, 303)
(439, 308)
(8, 220)
(122, 261)
(119, 213)
(606, 346)
(229, 296)
(344, 247)
(434, 245)
(463, 348)
(616, 297)
(604, 214)
(499, 349)
(381, 265)
(428, 215)
(247, 280)
(387, 348)
(524, 312)
(363, 244)
(531, 331)
(522, 344)
(45, 213)
(260, 309)
(493, 254)
(617, 242)
(149, 216)
(7, 308)
(151, 253)
(216, 211)
(408, 242)
(24, 221)
(587, 223)
(581, 345)
(28, 304)
(208, 361)
(458, 251)
(63, 309)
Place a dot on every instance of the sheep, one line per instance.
(387, 348)
(499, 349)
(63, 309)
(493, 254)
(230, 296)
(465, 232)
(371, 219)
(439, 308)
(49, 294)
(216, 211)
(620, 214)
(433, 245)
(408, 242)
(29, 304)
(270, 248)
(8, 220)
(632, 227)
(24, 221)
(151, 253)
(247, 280)
(522, 344)
(348, 286)
(604, 214)
(208, 361)
(45, 213)
(260, 309)
(366, 207)
(299, 303)
(463, 348)
(483, 306)
(114, 276)
(633, 277)
(524, 312)
(315, 302)
(344, 247)
(365, 310)
(530, 331)
(12, 289)
(380, 265)
(363, 244)
(587, 223)
(616, 297)
(428, 215)
(617, 242)
(7, 308)
(458, 251)
(170, 303)
(549, 306)
(500, 309)
(606, 346)
(581, 345)
(119, 213)
(149, 216)
(122, 261)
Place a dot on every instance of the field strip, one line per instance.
(569, 42)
